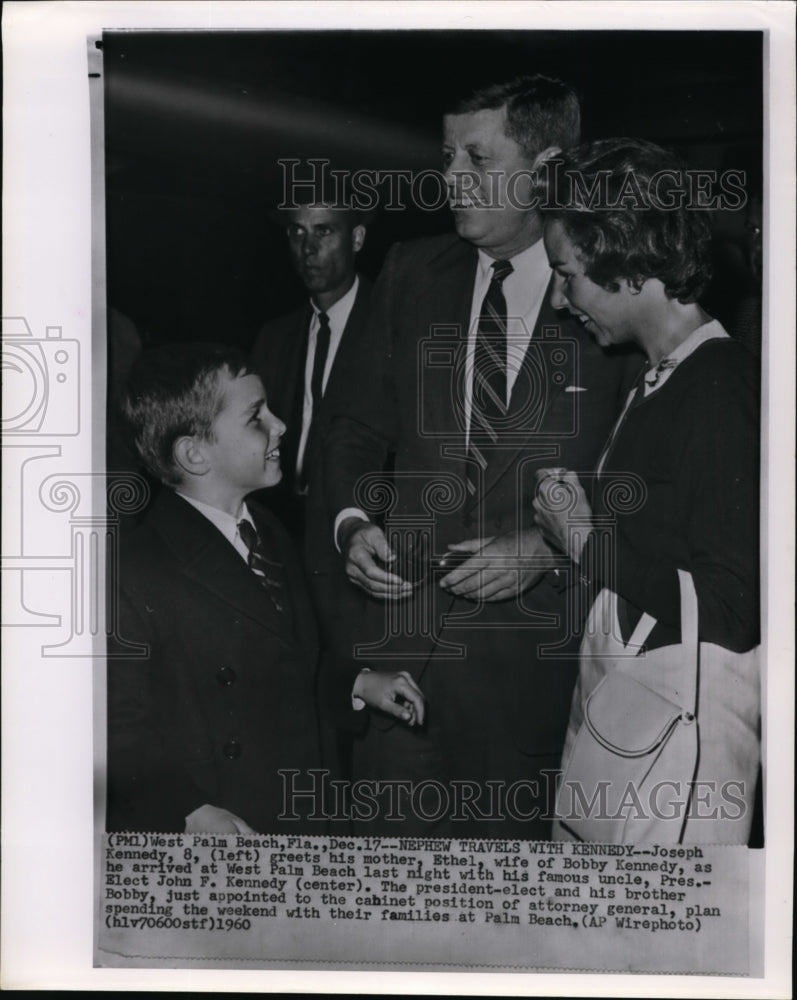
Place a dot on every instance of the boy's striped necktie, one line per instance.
(270, 573)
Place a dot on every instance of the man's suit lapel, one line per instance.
(293, 355)
(340, 379)
(539, 383)
(207, 558)
(287, 350)
(444, 304)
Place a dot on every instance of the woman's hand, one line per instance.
(562, 511)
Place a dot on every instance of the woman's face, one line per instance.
(609, 316)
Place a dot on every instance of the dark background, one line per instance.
(196, 121)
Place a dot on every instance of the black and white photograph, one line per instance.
(401, 483)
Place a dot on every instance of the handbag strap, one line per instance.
(689, 640)
(642, 630)
(689, 637)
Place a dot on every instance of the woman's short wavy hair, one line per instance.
(628, 207)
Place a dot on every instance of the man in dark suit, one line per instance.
(211, 681)
(469, 375)
(307, 369)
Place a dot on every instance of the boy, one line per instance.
(200, 724)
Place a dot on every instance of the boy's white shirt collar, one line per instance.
(226, 523)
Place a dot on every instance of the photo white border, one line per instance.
(48, 890)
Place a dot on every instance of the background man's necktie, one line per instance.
(270, 572)
(321, 352)
(316, 389)
(488, 399)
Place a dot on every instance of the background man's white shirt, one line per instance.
(338, 318)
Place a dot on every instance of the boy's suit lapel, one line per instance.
(304, 623)
(210, 560)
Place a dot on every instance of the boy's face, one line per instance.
(244, 454)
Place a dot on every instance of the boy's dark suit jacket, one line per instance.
(499, 693)
(224, 697)
(279, 356)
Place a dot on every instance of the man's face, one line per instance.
(611, 317)
(243, 454)
(323, 244)
(489, 182)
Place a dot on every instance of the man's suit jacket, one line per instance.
(410, 393)
(224, 697)
(279, 356)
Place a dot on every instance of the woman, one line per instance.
(676, 489)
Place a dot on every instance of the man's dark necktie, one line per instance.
(269, 572)
(320, 361)
(489, 396)
(316, 390)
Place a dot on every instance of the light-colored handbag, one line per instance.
(636, 742)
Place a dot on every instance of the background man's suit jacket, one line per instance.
(410, 386)
(279, 356)
(225, 696)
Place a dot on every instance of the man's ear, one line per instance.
(549, 153)
(358, 238)
(189, 456)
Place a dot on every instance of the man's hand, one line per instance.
(362, 544)
(213, 819)
(560, 505)
(500, 568)
(393, 692)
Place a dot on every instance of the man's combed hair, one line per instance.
(540, 111)
(172, 392)
(627, 206)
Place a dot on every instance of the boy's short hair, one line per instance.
(173, 391)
